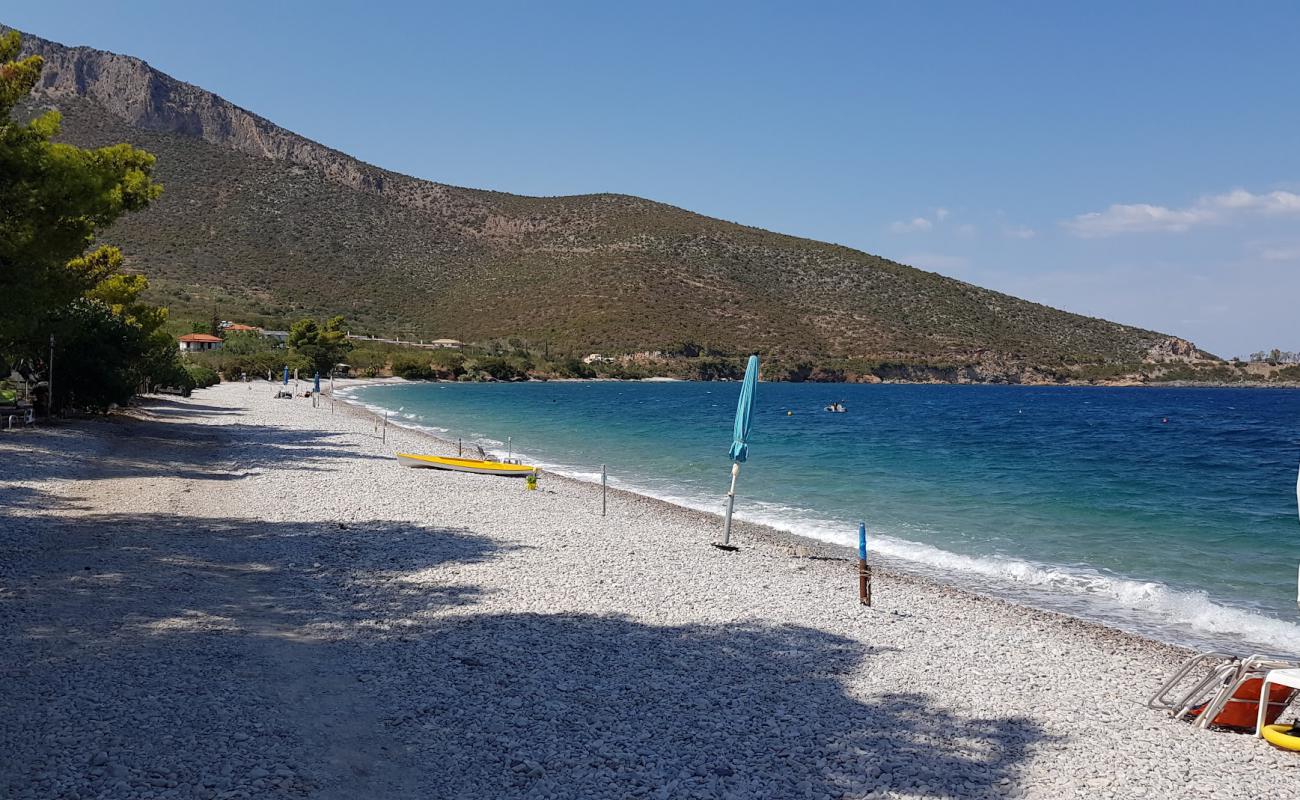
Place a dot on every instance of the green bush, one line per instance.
(255, 365)
(413, 368)
(500, 368)
(571, 368)
(200, 377)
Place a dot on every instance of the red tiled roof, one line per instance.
(235, 326)
(200, 337)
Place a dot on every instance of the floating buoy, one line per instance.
(789, 413)
(1164, 420)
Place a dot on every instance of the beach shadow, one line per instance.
(167, 406)
(135, 448)
(339, 645)
(122, 631)
(585, 706)
(153, 571)
(25, 498)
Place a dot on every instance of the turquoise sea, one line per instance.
(1169, 512)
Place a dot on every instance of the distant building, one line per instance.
(279, 336)
(198, 342)
(597, 358)
(447, 344)
(235, 327)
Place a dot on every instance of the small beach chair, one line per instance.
(1274, 679)
(1222, 690)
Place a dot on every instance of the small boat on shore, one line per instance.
(474, 465)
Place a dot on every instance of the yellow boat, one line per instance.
(465, 465)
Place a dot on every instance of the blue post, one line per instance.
(864, 570)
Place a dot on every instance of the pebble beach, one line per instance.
(234, 596)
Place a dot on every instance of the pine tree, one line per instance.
(55, 198)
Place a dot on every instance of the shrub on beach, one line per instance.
(201, 377)
(256, 365)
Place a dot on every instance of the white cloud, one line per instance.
(937, 262)
(1019, 232)
(914, 226)
(1138, 218)
(941, 214)
(1270, 203)
(1209, 210)
(967, 229)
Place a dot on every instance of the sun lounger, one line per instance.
(1222, 690)
(23, 415)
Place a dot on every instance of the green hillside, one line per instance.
(263, 225)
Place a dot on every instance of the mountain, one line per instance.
(264, 224)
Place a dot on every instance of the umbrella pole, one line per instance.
(731, 504)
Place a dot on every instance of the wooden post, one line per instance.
(602, 489)
(864, 569)
(459, 448)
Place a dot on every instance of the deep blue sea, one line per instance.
(1169, 512)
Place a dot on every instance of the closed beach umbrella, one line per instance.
(316, 388)
(286, 374)
(740, 437)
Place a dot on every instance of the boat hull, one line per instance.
(473, 465)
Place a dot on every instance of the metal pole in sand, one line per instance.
(510, 448)
(49, 383)
(603, 482)
(864, 569)
(731, 504)
(460, 451)
(385, 434)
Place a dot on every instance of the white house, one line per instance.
(198, 342)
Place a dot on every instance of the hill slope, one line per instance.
(264, 223)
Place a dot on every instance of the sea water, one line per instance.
(1170, 512)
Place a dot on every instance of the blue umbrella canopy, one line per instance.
(286, 374)
(740, 441)
(744, 412)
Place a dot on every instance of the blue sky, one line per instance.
(1137, 161)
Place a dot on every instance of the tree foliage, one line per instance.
(54, 199)
(322, 346)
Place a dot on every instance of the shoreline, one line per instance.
(308, 619)
(1070, 384)
(1181, 640)
(798, 546)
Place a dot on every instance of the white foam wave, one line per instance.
(1147, 607)
(1150, 608)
